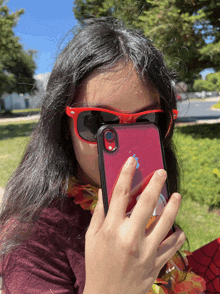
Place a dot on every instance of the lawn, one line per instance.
(217, 105)
(198, 149)
(14, 136)
(29, 110)
(199, 225)
(19, 112)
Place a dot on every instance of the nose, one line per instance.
(127, 119)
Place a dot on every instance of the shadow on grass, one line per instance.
(16, 130)
(9, 114)
(210, 131)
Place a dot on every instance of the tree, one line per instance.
(127, 10)
(211, 83)
(186, 31)
(203, 85)
(17, 67)
(173, 32)
(214, 78)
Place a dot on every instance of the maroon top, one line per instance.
(52, 260)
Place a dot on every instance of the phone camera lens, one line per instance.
(109, 135)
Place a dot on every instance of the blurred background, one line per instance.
(32, 33)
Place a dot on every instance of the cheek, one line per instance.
(86, 154)
(87, 158)
(83, 151)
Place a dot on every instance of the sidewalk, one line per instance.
(213, 99)
(30, 117)
(189, 122)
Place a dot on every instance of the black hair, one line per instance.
(49, 160)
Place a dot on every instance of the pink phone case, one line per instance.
(141, 141)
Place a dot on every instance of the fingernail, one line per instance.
(129, 162)
(178, 196)
(162, 173)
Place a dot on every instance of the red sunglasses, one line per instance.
(87, 120)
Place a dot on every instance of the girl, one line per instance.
(50, 242)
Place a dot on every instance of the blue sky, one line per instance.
(43, 27)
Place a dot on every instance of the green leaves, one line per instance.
(127, 10)
(211, 83)
(186, 31)
(173, 32)
(17, 67)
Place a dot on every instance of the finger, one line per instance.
(169, 247)
(165, 221)
(148, 201)
(121, 193)
(98, 215)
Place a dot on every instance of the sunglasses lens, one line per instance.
(163, 122)
(149, 117)
(89, 122)
(159, 118)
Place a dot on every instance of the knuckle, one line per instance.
(109, 233)
(131, 246)
(121, 238)
(122, 191)
(129, 243)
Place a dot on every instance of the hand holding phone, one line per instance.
(118, 142)
(121, 257)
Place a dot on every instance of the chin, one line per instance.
(93, 179)
(96, 181)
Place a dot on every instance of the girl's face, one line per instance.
(119, 89)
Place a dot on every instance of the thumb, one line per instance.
(98, 215)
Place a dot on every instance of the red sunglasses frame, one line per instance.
(124, 118)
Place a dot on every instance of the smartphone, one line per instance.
(118, 142)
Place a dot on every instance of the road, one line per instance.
(194, 111)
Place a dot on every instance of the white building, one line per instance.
(23, 101)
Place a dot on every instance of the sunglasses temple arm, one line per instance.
(175, 114)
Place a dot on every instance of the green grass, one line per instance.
(217, 105)
(198, 149)
(13, 139)
(31, 110)
(199, 225)
(19, 113)
(37, 110)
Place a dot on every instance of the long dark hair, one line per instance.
(49, 160)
